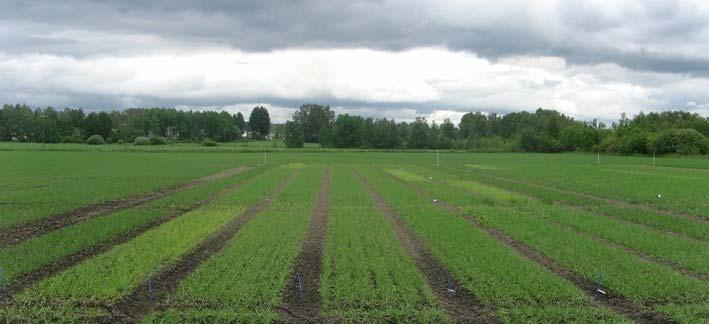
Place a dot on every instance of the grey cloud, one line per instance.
(582, 33)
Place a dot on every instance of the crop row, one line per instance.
(36, 187)
(367, 275)
(245, 281)
(517, 289)
(105, 279)
(39, 251)
(621, 272)
(687, 253)
(682, 189)
(690, 227)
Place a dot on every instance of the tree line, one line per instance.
(21, 123)
(540, 131)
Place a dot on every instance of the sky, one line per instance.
(396, 59)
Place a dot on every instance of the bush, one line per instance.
(95, 140)
(120, 141)
(141, 140)
(208, 142)
(157, 140)
(109, 140)
(682, 141)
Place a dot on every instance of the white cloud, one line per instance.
(433, 82)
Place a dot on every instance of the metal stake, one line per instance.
(300, 286)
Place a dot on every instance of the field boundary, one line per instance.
(460, 306)
(69, 261)
(615, 302)
(615, 202)
(309, 264)
(136, 305)
(22, 232)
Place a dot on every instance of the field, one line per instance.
(183, 233)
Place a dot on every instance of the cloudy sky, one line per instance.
(397, 59)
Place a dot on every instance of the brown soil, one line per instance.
(309, 264)
(69, 261)
(22, 232)
(133, 307)
(616, 202)
(460, 305)
(615, 302)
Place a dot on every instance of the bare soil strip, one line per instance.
(615, 302)
(134, 306)
(616, 202)
(67, 262)
(309, 264)
(22, 232)
(461, 306)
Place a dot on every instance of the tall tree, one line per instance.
(418, 138)
(259, 123)
(294, 135)
(312, 118)
(240, 123)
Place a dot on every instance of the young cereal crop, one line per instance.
(105, 279)
(519, 290)
(42, 250)
(367, 275)
(646, 284)
(245, 281)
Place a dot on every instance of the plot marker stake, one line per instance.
(450, 289)
(599, 286)
(300, 286)
(5, 290)
(150, 289)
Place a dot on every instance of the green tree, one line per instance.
(418, 138)
(293, 135)
(348, 130)
(312, 118)
(259, 123)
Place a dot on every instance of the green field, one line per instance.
(520, 238)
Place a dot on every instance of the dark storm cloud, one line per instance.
(653, 36)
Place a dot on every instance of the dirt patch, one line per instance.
(69, 261)
(459, 304)
(615, 302)
(619, 203)
(309, 265)
(133, 307)
(23, 232)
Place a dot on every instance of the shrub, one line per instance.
(683, 141)
(109, 140)
(120, 141)
(141, 140)
(95, 140)
(208, 142)
(157, 140)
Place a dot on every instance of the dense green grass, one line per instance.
(520, 290)
(623, 273)
(245, 281)
(106, 278)
(36, 185)
(667, 223)
(367, 276)
(687, 253)
(681, 182)
(538, 199)
(42, 250)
